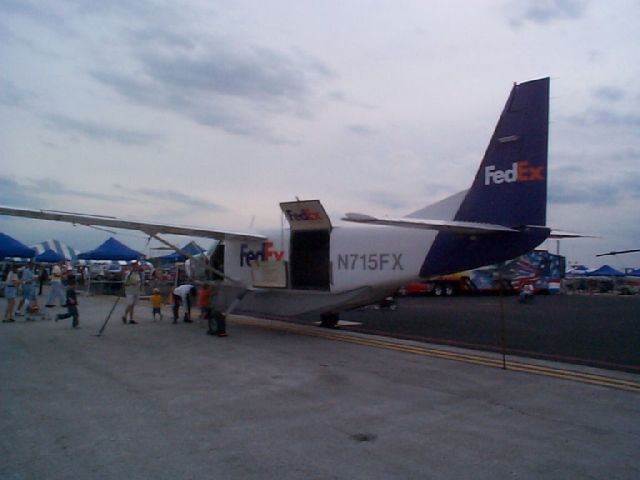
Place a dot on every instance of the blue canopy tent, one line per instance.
(10, 247)
(192, 248)
(605, 271)
(111, 249)
(634, 273)
(49, 256)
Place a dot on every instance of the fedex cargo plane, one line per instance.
(316, 267)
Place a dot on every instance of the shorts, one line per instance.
(10, 292)
(28, 291)
(132, 299)
(156, 310)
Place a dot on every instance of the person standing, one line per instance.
(28, 290)
(72, 303)
(43, 277)
(10, 292)
(182, 295)
(132, 291)
(56, 290)
(156, 303)
(204, 296)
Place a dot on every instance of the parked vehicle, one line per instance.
(96, 271)
(539, 268)
(113, 271)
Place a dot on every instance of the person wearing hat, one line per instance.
(132, 291)
(156, 303)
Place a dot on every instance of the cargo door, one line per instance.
(309, 259)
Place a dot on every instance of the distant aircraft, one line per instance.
(315, 267)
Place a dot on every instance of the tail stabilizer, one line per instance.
(510, 187)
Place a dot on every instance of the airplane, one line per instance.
(317, 268)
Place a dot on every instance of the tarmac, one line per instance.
(281, 401)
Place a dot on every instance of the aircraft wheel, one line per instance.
(438, 290)
(329, 320)
(449, 291)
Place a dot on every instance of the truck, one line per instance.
(540, 268)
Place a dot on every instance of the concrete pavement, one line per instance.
(157, 400)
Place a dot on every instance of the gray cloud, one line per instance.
(609, 94)
(32, 192)
(216, 83)
(258, 74)
(361, 130)
(543, 12)
(46, 14)
(161, 38)
(220, 82)
(15, 194)
(593, 194)
(49, 187)
(605, 117)
(13, 96)
(386, 199)
(174, 196)
(575, 185)
(99, 132)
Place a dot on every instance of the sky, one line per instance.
(210, 113)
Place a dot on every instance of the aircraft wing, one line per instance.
(113, 222)
(618, 252)
(466, 228)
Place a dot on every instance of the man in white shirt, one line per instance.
(183, 295)
(132, 291)
(56, 290)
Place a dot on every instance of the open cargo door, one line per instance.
(309, 264)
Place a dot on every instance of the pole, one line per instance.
(106, 320)
(503, 325)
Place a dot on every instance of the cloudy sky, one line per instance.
(210, 113)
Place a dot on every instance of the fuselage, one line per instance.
(343, 259)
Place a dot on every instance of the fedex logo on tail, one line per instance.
(248, 255)
(519, 172)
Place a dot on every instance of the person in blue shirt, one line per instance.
(28, 290)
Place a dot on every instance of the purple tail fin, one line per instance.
(509, 189)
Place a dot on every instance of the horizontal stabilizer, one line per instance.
(451, 226)
(148, 228)
(558, 234)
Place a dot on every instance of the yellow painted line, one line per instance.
(572, 375)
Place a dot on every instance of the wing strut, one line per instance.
(241, 295)
(188, 255)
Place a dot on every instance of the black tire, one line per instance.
(329, 320)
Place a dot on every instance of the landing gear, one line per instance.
(329, 320)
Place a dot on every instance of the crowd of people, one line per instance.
(23, 285)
